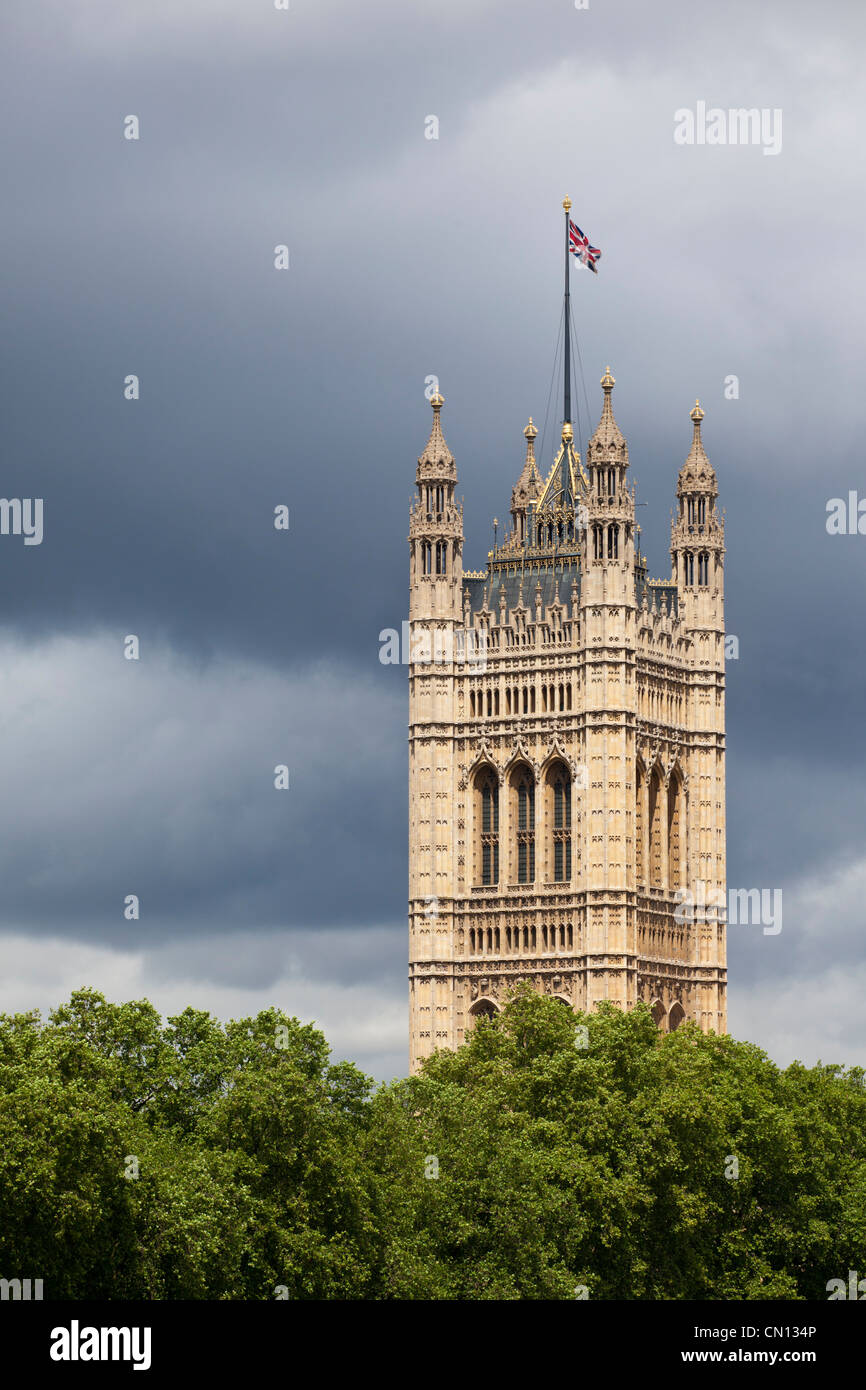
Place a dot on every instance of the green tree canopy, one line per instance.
(553, 1153)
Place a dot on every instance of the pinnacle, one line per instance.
(436, 450)
(608, 433)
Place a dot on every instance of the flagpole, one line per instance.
(566, 203)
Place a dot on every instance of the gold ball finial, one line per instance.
(608, 381)
(697, 414)
(566, 203)
(567, 433)
(437, 400)
(530, 432)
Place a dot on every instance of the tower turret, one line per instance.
(527, 487)
(698, 533)
(436, 530)
(610, 503)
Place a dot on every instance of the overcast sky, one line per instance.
(409, 257)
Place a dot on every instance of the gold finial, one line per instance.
(567, 433)
(566, 203)
(697, 414)
(608, 381)
(530, 432)
(437, 400)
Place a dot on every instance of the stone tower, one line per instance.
(566, 746)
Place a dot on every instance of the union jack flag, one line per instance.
(580, 247)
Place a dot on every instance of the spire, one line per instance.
(528, 485)
(436, 451)
(608, 438)
(697, 471)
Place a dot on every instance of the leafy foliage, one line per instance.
(195, 1160)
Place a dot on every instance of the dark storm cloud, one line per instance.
(408, 257)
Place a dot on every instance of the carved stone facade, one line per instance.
(566, 747)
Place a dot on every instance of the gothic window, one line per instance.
(703, 569)
(524, 789)
(675, 797)
(483, 1008)
(441, 557)
(689, 565)
(658, 1013)
(597, 547)
(640, 784)
(600, 476)
(691, 511)
(541, 535)
(675, 1017)
(487, 793)
(426, 557)
(655, 830)
(612, 542)
(611, 483)
(559, 782)
(702, 510)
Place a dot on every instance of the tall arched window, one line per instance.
(487, 799)
(524, 797)
(702, 510)
(426, 557)
(689, 563)
(561, 783)
(675, 797)
(655, 830)
(639, 791)
(613, 542)
(703, 569)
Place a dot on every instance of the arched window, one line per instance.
(703, 569)
(658, 1013)
(639, 792)
(483, 1008)
(655, 829)
(559, 781)
(613, 542)
(441, 557)
(487, 796)
(702, 510)
(597, 550)
(689, 564)
(691, 511)
(675, 1017)
(675, 797)
(426, 557)
(524, 798)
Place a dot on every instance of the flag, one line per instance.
(579, 246)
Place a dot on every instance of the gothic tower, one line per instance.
(566, 746)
